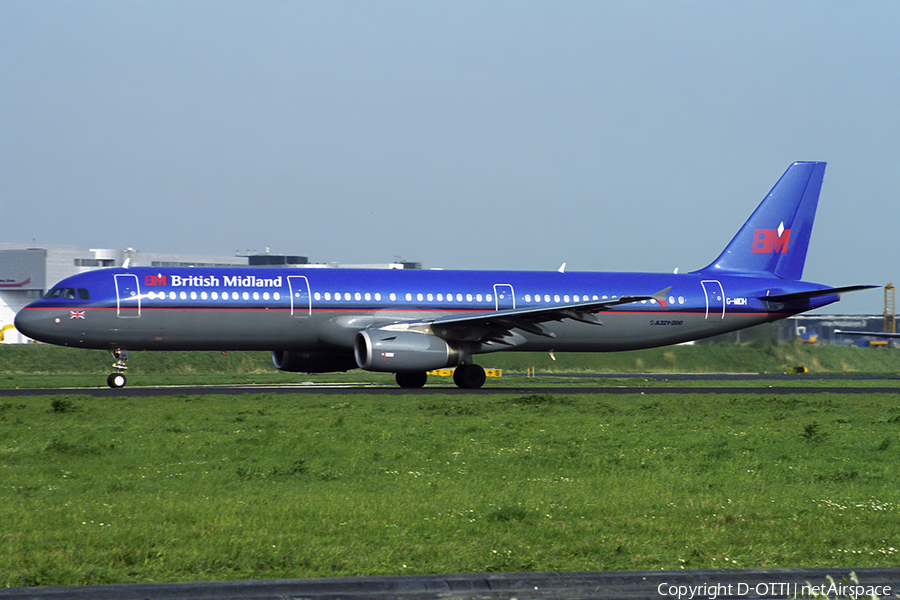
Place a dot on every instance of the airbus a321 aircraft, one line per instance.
(409, 322)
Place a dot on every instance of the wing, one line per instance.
(498, 326)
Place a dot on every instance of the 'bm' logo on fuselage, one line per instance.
(767, 241)
(151, 280)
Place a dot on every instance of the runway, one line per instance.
(630, 383)
(660, 585)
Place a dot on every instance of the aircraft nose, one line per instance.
(32, 323)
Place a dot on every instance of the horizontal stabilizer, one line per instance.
(815, 293)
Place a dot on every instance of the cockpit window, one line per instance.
(69, 293)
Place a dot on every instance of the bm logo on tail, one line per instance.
(769, 241)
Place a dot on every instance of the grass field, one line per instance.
(217, 487)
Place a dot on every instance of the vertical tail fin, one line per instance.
(775, 238)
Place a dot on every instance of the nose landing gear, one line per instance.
(117, 379)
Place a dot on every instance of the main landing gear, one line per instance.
(117, 379)
(470, 377)
(414, 379)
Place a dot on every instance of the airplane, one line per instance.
(409, 322)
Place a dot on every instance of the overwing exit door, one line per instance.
(503, 296)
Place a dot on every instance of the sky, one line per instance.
(613, 136)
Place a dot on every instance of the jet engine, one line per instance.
(312, 362)
(403, 351)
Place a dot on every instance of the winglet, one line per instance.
(660, 296)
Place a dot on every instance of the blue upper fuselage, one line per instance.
(414, 291)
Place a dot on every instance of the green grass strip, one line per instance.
(269, 486)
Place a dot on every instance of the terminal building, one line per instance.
(27, 271)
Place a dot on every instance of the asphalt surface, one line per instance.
(608, 383)
(659, 585)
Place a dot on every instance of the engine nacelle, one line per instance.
(312, 362)
(403, 351)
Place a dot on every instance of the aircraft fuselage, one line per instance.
(306, 309)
